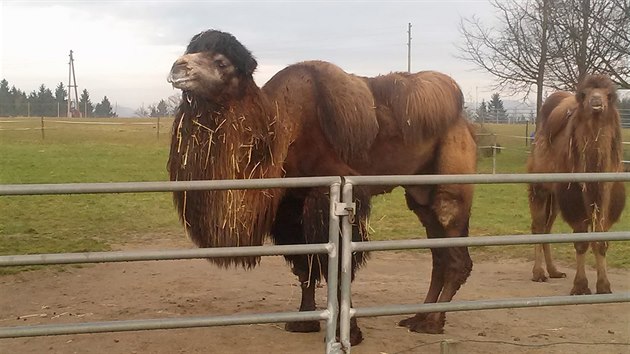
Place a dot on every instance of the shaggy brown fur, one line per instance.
(314, 119)
(232, 142)
(579, 133)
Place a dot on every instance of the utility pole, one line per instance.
(72, 77)
(69, 83)
(409, 48)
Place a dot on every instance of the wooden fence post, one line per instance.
(449, 346)
(494, 153)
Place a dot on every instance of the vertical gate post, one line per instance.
(346, 267)
(332, 346)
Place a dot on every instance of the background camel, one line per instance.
(579, 133)
(314, 119)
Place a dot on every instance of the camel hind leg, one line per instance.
(544, 210)
(450, 269)
(444, 210)
(617, 203)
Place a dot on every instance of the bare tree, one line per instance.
(593, 37)
(172, 103)
(142, 111)
(517, 52)
(550, 43)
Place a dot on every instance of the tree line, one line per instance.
(163, 108)
(493, 111)
(43, 102)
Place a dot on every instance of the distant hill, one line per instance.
(125, 112)
(519, 106)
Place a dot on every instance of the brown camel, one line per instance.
(578, 133)
(314, 119)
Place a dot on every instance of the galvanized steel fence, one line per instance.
(339, 265)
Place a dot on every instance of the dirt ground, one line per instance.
(144, 290)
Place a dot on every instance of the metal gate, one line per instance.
(341, 210)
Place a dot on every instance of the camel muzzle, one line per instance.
(178, 74)
(596, 104)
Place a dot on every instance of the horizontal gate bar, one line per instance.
(167, 186)
(489, 241)
(490, 304)
(126, 256)
(159, 323)
(295, 182)
(488, 178)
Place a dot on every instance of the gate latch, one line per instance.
(346, 209)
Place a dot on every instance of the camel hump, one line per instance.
(555, 113)
(342, 105)
(422, 104)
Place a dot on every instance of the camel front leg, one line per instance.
(287, 230)
(543, 211)
(308, 284)
(603, 284)
(580, 282)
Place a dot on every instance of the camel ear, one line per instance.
(579, 96)
(612, 97)
(250, 66)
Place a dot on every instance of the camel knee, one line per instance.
(452, 209)
(581, 247)
(447, 211)
(600, 247)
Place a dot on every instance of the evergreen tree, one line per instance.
(162, 109)
(496, 112)
(33, 104)
(85, 104)
(60, 98)
(46, 105)
(482, 112)
(20, 103)
(5, 98)
(104, 109)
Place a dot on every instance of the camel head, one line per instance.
(214, 67)
(596, 94)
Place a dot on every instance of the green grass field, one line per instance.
(127, 150)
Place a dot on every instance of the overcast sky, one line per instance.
(124, 49)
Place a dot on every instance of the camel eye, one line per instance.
(220, 63)
(581, 96)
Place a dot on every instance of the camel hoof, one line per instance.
(422, 323)
(302, 327)
(580, 291)
(539, 276)
(557, 274)
(603, 288)
(356, 336)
